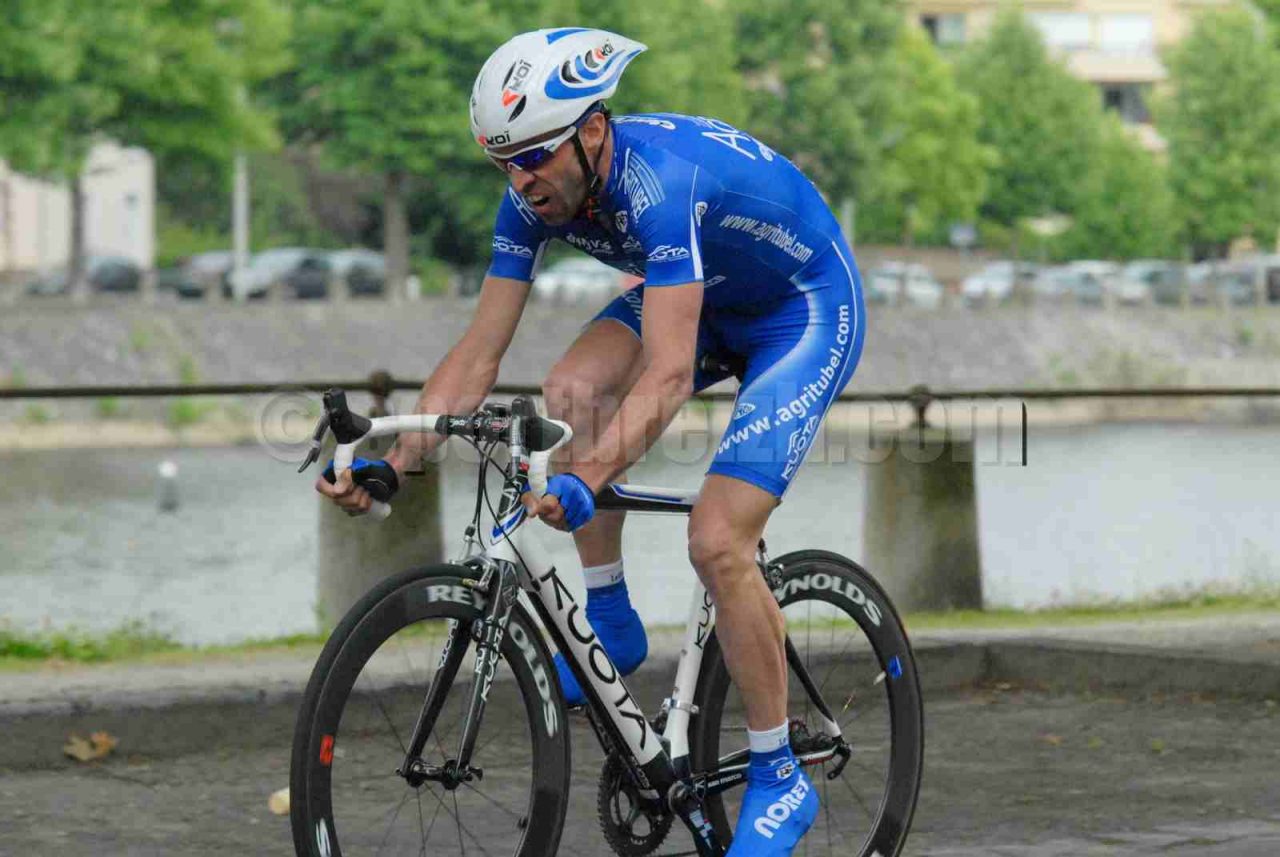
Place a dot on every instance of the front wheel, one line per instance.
(364, 699)
(854, 647)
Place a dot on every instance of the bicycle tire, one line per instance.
(809, 576)
(417, 595)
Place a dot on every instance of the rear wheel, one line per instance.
(359, 711)
(855, 649)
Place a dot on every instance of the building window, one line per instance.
(944, 29)
(1127, 34)
(1127, 99)
(1066, 30)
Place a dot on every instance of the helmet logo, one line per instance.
(499, 140)
(513, 84)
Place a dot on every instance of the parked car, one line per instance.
(201, 272)
(1161, 280)
(994, 282)
(105, 274)
(363, 271)
(264, 271)
(884, 283)
(309, 278)
(577, 279)
(1236, 279)
(1086, 281)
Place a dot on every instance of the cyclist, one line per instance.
(742, 259)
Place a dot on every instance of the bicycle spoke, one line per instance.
(426, 837)
(391, 824)
(417, 793)
(862, 803)
(509, 812)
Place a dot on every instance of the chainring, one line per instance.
(633, 826)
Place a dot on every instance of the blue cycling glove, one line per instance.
(375, 476)
(575, 497)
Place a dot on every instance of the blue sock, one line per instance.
(778, 807)
(618, 626)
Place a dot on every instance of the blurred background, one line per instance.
(1081, 196)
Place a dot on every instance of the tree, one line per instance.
(814, 73)
(382, 86)
(1222, 120)
(1124, 207)
(168, 75)
(936, 171)
(1043, 123)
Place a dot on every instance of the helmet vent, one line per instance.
(524, 99)
(510, 71)
(566, 72)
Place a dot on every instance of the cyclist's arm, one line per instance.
(670, 328)
(465, 376)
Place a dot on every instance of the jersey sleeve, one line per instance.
(668, 198)
(519, 238)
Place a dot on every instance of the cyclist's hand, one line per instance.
(567, 505)
(354, 490)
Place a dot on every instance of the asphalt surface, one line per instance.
(1009, 770)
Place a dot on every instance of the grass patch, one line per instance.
(37, 414)
(1188, 607)
(130, 640)
(186, 411)
(108, 407)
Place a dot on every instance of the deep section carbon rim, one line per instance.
(361, 711)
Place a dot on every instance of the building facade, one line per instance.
(1113, 44)
(119, 212)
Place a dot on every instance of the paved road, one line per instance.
(1008, 771)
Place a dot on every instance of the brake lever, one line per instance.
(313, 455)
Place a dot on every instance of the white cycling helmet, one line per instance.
(543, 81)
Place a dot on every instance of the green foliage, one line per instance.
(168, 75)
(935, 173)
(815, 78)
(139, 337)
(108, 407)
(187, 411)
(1043, 123)
(177, 238)
(383, 86)
(38, 414)
(37, 67)
(1124, 208)
(187, 371)
(1222, 121)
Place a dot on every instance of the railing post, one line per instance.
(355, 554)
(921, 519)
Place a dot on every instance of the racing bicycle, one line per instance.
(434, 723)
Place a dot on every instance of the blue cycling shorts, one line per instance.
(799, 352)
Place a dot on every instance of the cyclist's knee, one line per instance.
(720, 555)
(572, 397)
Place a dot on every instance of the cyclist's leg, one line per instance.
(585, 389)
(800, 354)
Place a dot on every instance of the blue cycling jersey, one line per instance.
(689, 199)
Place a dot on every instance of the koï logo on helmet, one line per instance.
(513, 87)
(499, 140)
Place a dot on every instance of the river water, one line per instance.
(1109, 511)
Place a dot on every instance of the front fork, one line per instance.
(488, 632)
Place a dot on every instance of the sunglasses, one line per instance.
(539, 155)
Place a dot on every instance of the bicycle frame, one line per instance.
(515, 556)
